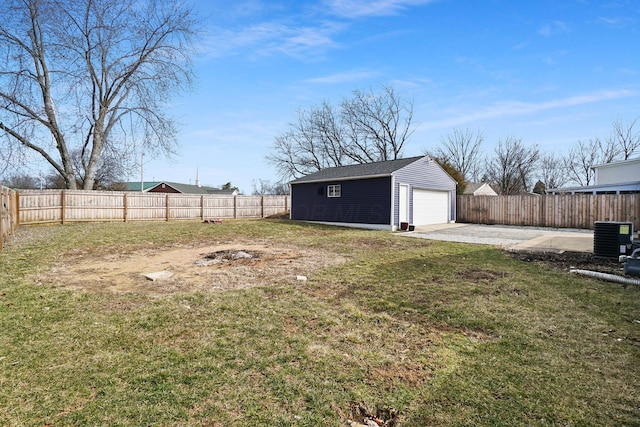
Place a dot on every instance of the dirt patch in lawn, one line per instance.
(161, 271)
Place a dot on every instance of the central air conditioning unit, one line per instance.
(612, 239)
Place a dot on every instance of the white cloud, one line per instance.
(268, 38)
(364, 8)
(345, 77)
(554, 28)
(297, 34)
(516, 108)
(616, 22)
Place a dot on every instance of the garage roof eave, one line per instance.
(346, 178)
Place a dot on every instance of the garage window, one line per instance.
(334, 191)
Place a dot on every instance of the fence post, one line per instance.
(166, 204)
(235, 207)
(202, 207)
(125, 207)
(63, 207)
(16, 198)
(2, 216)
(262, 206)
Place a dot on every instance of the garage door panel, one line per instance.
(430, 207)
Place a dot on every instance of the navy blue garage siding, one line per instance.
(363, 201)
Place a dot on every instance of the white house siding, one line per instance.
(424, 174)
(485, 190)
(618, 172)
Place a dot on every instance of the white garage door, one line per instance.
(430, 207)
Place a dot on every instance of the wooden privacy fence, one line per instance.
(8, 214)
(63, 206)
(562, 211)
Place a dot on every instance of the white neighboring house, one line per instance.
(479, 189)
(618, 172)
(621, 177)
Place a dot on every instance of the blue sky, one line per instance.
(550, 72)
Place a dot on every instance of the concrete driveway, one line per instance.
(509, 237)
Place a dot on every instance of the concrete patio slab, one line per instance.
(509, 237)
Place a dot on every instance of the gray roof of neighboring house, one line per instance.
(135, 186)
(195, 189)
(472, 187)
(365, 170)
(182, 188)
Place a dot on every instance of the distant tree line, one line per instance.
(371, 126)
(515, 167)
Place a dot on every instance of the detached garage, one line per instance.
(383, 195)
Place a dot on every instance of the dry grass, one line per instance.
(409, 331)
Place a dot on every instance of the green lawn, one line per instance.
(415, 331)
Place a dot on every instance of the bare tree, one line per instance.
(585, 155)
(263, 187)
(553, 171)
(312, 143)
(625, 138)
(22, 181)
(378, 125)
(512, 167)
(110, 169)
(367, 127)
(91, 76)
(462, 148)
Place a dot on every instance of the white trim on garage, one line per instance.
(431, 207)
(403, 203)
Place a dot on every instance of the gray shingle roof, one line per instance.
(358, 171)
(182, 188)
(135, 186)
(194, 189)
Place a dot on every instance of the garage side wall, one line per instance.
(425, 174)
(362, 201)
